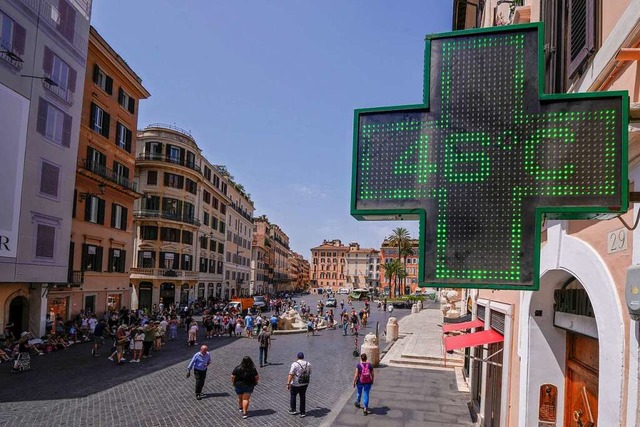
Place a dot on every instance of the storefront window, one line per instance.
(57, 309)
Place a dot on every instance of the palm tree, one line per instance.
(398, 238)
(390, 270)
(406, 250)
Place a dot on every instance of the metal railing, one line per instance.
(169, 159)
(9, 58)
(75, 277)
(171, 127)
(146, 213)
(165, 272)
(108, 174)
(64, 94)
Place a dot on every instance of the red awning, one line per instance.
(471, 340)
(450, 327)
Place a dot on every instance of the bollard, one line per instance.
(420, 306)
(414, 309)
(371, 349)
(392, 329)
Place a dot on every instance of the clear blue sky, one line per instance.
(268, 89)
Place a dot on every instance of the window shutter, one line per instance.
(108, 87)
(113, 215)
(128, 137)
(66, 131)
(98, 259)
(166, 179)
(71, 82)
(47, 60)
(123, 218)
(45, 241)
(87, 208)
(176, 262)
(132, 106)
(101, 211)
(96, 72)
(83, 261)
(19, 38)
(49, 175)
(106, 118)
(41, 126)
(123, 261)
(110, 261)
(120, 95)
(75, 201)
(125, 172)
(581, 40)
(92, 115)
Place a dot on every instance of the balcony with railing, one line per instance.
(163, 272)
(61, 92)
(147, 213)
(169, 159)
(75, 277)
(9, 54)
(108, 174)
(49, 13)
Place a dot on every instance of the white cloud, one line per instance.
(309, 191)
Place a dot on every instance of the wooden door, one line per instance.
(581, 381)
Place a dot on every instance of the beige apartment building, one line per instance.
(272, 244)
(361, 264)
(239, 237)
(101, 247)
(570, 351)
(298, 271)
(211, 234)
(43, 55)
(169, 174)
(329, 265)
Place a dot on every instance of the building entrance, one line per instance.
(19, 315)
(145, 296)
(167, 294)
(581, 381)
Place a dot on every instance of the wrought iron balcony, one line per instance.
(75, 277)
(145, 213)
(63, 93)
(164, 272)
(169, 159)
(108, 174)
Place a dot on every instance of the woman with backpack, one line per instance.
(362, 381)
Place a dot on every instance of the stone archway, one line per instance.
(543, 347)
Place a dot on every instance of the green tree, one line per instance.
(399, 237)
(406, 250)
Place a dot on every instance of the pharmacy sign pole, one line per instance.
(487, 157)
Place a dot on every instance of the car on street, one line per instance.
(260, 303)
(331, 302)
(402, 304)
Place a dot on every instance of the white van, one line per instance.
(343, 291)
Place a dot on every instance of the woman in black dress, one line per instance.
(23, 361)
(244, 378)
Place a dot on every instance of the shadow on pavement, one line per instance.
(261, 412)
(318, 412)
(379, 411)
(75, 373)
(208, 395)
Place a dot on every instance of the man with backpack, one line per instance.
(297, 383)
(363, 380)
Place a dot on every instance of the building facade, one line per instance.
(43, 51)
(361, 265)
(239, 237)
(569, 354)
(329, 265)
(169, 175)
(101, 247)
(298, 272)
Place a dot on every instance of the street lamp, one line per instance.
(45, 79)
(12, 55)
(84, 196)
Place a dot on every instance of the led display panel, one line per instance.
(487, 156)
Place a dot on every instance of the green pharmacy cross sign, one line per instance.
(488, 155)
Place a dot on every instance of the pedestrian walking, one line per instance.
(362, 381)
(199, 363)
(297, 383)
(244, 378)
(264, 340)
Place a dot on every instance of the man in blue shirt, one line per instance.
(199, 362)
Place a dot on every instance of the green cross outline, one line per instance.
(422, 169)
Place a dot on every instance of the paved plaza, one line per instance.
(72, 388)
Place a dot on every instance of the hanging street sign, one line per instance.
(487, 156)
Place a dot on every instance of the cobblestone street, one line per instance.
(72, 388)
